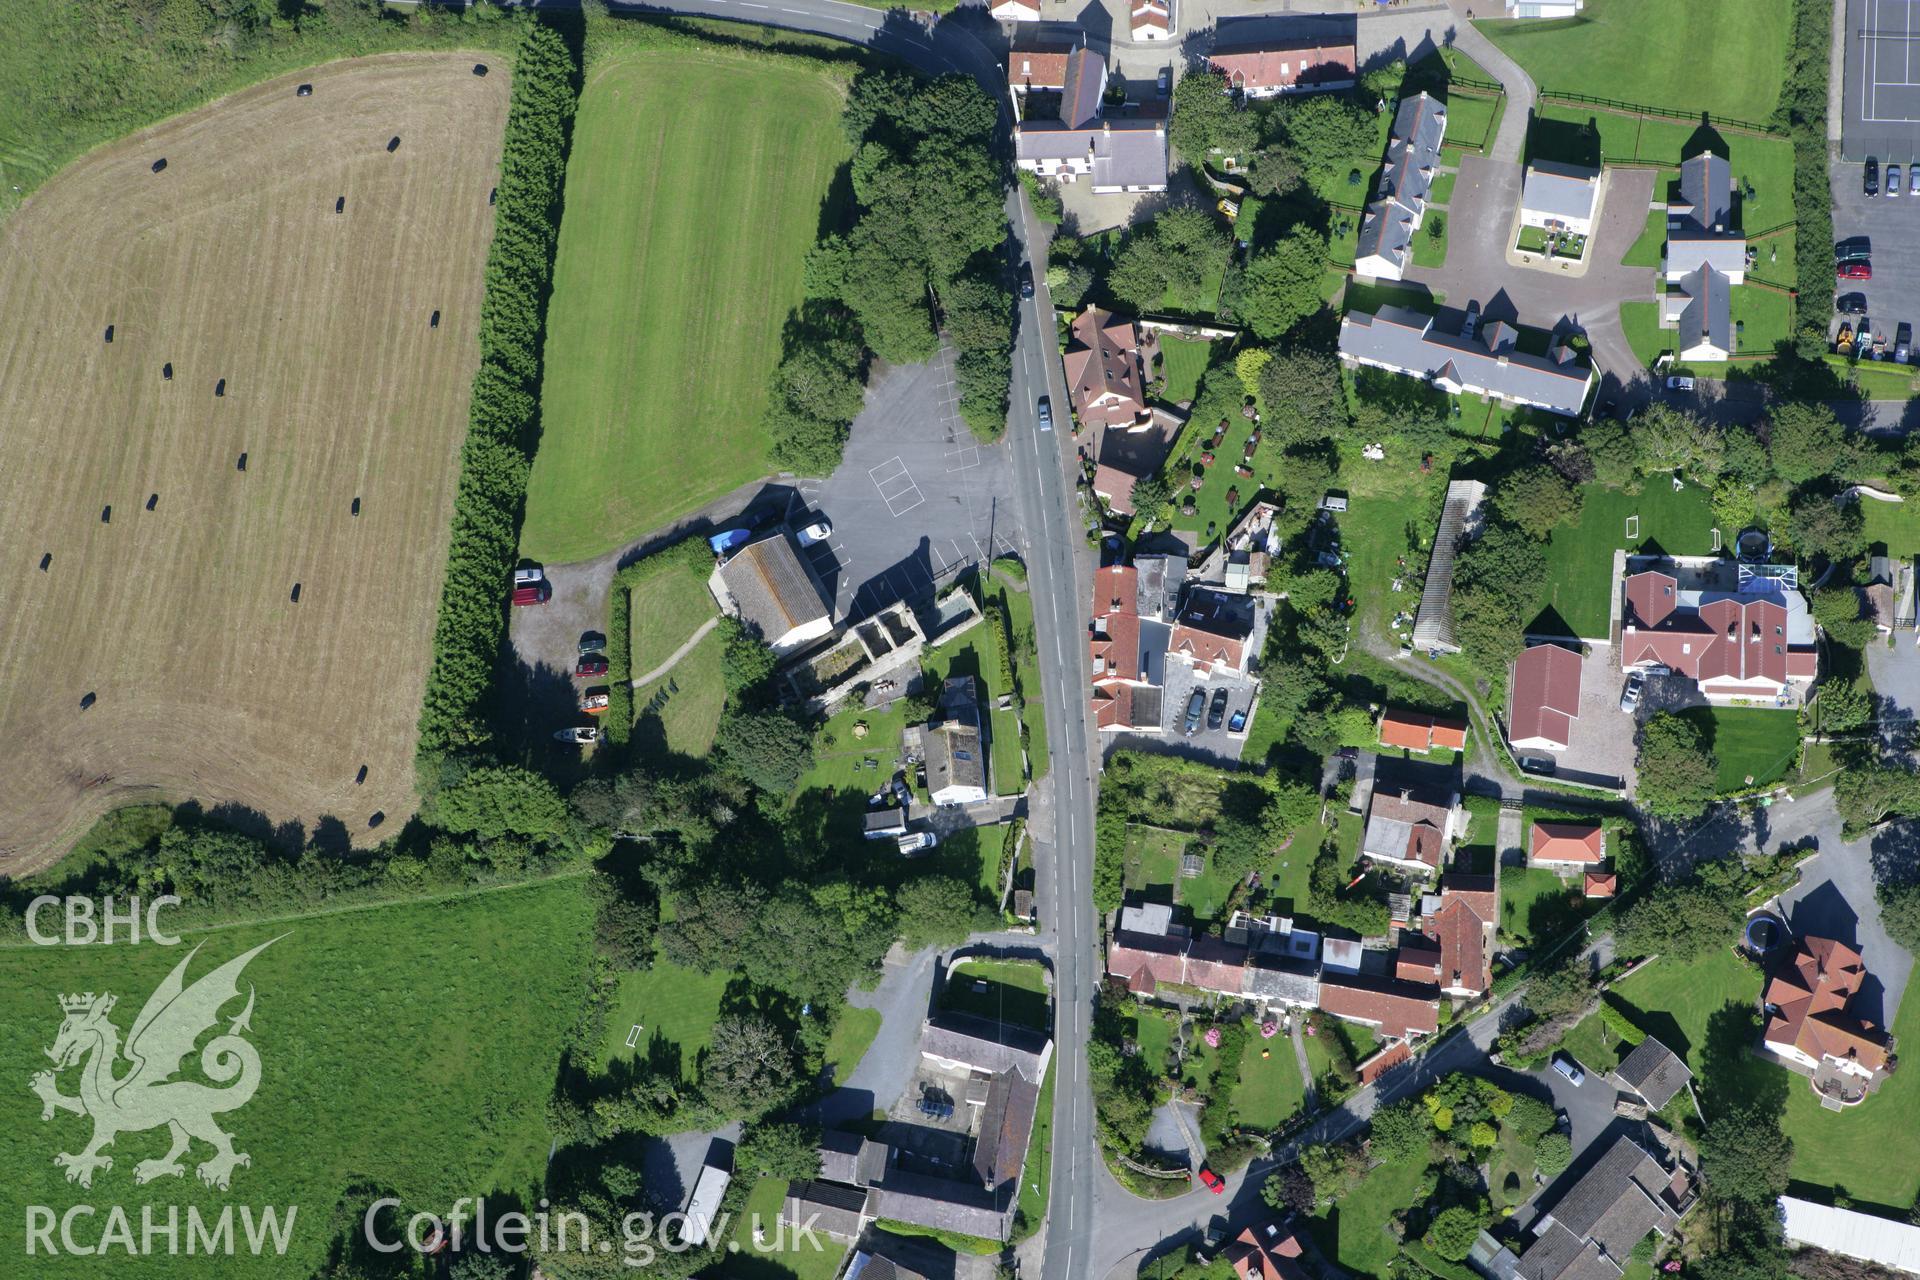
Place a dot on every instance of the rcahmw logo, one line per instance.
(145, 1095)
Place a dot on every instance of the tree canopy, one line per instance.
(1678, 772)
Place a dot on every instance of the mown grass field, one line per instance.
(409, 1048)
(1750, 742)
(694, 190)
(675, 1009)
(1015, 992)
(208, 679)
(1270, 1088)
(1580, 556)
(1722, 56)
(669, 605)
(680, 712)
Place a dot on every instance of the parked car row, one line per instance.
(1870, 180)
(1214, 713)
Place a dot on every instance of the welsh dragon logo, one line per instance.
(146, 1096)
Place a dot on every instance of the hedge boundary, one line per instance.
(504, 419)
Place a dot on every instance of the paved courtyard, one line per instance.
(916, 501)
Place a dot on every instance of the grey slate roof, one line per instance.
(1006, 1122)
(1553, 1256)
(852, 1159)
(1654, 1072)
(946, 1204)
(830, 1209)
(986, 1046)
(1386, 231)
(1686, 253)
(1406, 341)
(886, 822)
(1608, 1211)
(1294, 981)
(1125, 153)
(1086, 81)
(1706, 187)
(774, 589)
(1559, 190)
(1705, 303)
(954, 756)
(1413, 150)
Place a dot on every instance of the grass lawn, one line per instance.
(669, 605)
(1873, 379)
(1212, 511)
(1472, 118)
(1755, 745)
(1647, 250)
(1036, 1175)
(1442, 190)
(1510, 1172)
(1009, 774)
(409, 1047)
(1535, 904)
(1205, 894)
(1672, 1002)
(1763, 318)
(1355, 1229)
(1722, 56)
(1370, 297)
(675, 1009)
(1480, 846)
(1270, 1088)
(803, 1257)
(1153, 1033)
(1580, 558)
(841, 752)
(1153, 861)
(693, 193)
(1641, 321)
(1429, 249)
(1026, 666)
(1895, 525)
(1593, 1046)
(1202, 301)
(680, 711)
(1015, 992)
(1182, 361)
(853, 1031)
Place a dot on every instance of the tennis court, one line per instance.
(1881, 107)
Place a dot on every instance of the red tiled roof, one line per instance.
(1546, 696)
(1037, 64)
(1601, 884)
(1216, 965)
(1116, 486)
(1476, 891)
(1131, 955)
(1812, 992)
(1418, 731)
(1738, 645)
(1151, 13)
(1399, 1053)
(1566, 842)
(1103, 368)
(1204, 646)
(1266, 1254)
(1463, 947)
(1397, 1008)
(1418, 959)
(1283, 66)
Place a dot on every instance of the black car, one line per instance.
(1851, 304)
(1196, 707)
(1026, 279)
(1871, 184)
(1853, 249)
(1218, 711)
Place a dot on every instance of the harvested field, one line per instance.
(203, 676)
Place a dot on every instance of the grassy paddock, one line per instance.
(675, 1009)
(1705, 58)
(409, 1048)
(697, 184)
(1580, 557)
(680, 712)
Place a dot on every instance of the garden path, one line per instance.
(674, 657)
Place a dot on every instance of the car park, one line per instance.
(1851, 304)
(1853, 271)
(1196, 707)
(1046, 413)
(1630, 696)
(1870, 179)
(1217, 712)
(1893, 182)
(1680, 382)
(593, 664)
(818, 531)
(1567, 1067)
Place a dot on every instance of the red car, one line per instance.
(1212, 1181)
(1853, 271)
(591, 665)
(533, 593)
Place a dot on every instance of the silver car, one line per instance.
(1630, 696)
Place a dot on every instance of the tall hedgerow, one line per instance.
(504, 421)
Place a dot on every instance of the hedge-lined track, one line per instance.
(209, 680)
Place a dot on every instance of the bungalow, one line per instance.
(1419, 731)
(1559, 197)
(1151, 20)
(1593, 1228)
(1410, 828)
(1106, 364)
(1413, 161)
(1574, 845)
(1487, 364)
(774, 593)
(1808, 1019)
(1129, 154)
(1543, 698)
(1267, 1252)
(1269, 69)
(956, 761)
(1750, 643)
